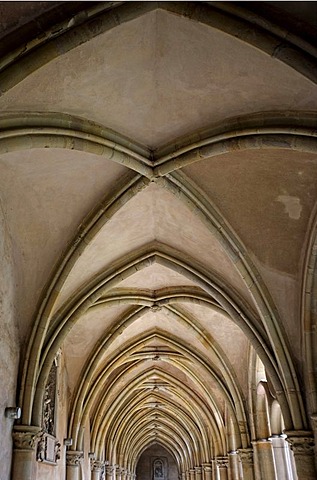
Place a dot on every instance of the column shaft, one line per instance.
(192, 474)
(198, 473)
(222, 464)
(215, 473)
(264, 460)
(281, 456)
(207, 471)
(24, 464)
(73, 461)
(97, 467)
(223, 473)
(233, 468)
(110, 472)
(95, 474)
(246, 457)
(24, 446)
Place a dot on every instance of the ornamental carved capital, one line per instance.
(222, 462)
(301, 442)
(74, 458)
(246, 455)
(25, 437)
(110, 469)
(97, 466)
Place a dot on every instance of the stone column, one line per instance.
(291, 459)
(246, 457)
(281, 456)
(233, 471)
(73, 461)
(264, 460)
(118, 472)
(302, 444)
(97, 467)
(24, 446)
(207, 471)
(215, 472)
(222, 464)
(110, 472)
(192, 474)
(198, 473)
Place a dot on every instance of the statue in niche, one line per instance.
(49, 402)
(158, 469)
(48, 448)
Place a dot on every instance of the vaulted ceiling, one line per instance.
(158, 179)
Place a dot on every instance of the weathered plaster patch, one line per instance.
(292, 206)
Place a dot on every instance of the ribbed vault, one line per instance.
(160, 200)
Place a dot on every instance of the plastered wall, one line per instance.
(9, 347)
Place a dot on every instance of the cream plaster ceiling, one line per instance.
(46, 194)
(174, 276)
(153, 215)
(155, 77)
(283, 189)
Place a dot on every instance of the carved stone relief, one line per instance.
(74, 458)
(159, 468)
(246, 455)
(25, 439)
(48, 449)
(49, 401)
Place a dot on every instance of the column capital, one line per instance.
(261, 441)
(232, 452)
(278, 439)
(246, 455)
(301, 441)
(197, 469)
(119, 471)
(207, 467)
(74, 458)
(97, 465)
(25, 437)
(222, 462)
(110, 469)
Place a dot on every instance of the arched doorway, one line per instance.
(156, 463)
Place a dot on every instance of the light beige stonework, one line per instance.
(158, 240)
